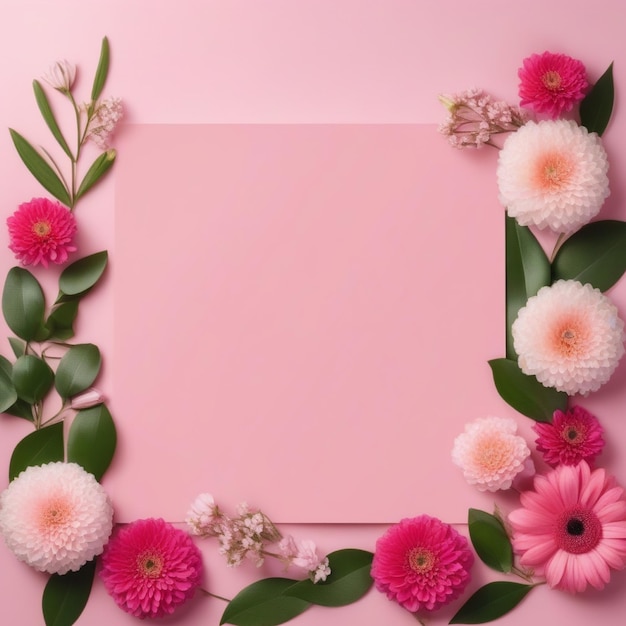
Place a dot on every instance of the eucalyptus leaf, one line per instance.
(42, 446)
(23, 303)
(525, 393)
(98, 169)
(48, 116)
(596, 254)
(77, 369)
(60, 322)
(597, 106)
(491, 602)
(18, 346)
(32, 378)
(21, 409)
(8, 395)
(490, 540)
(77, 278)
(527, 270)
(264, 603)
(92, 439)
(349, 580)
(65, 597)
(101, 71)
(40, 168)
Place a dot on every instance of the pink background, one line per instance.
(299, 62)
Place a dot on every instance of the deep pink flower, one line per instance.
(572, 437)
(551, 83)
(150, 568)
(572, 527)
(41, 231)
(422, 563)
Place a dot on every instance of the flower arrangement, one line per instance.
(564, 338)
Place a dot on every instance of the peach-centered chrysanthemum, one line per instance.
(150, 568)
(55, 517)
(490, 454)
(572, 436)
(422, 563)
(569, 336)
(572, 527)
(41, 231)
(551, 83)
(554, 174)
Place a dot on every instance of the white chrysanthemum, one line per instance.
(490, 454)
(553, 173)
(55, 517)
(569, 336)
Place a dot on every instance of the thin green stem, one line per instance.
(523, 575)
(213, 595)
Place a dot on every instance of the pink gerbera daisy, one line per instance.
(551, 83)
(150, 568)
(572, 527)
(41, 231)
(422, 563)
(573, 436)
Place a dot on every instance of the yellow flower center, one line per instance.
(553, 171)
(551, 80)
(41, 229)
(149, 565)
(421, 560)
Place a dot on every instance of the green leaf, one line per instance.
(40, 169)
(491, 602)
(60, 322)
(8, 395)
(101, 71)
(596, 254)
(525, 393)
(490, 540)
(18, 346)
(97, 170)
(77, 370)
(77, 278)
(42, 446)
(597, 106)
(65, 597)
(23, 303)
(91, 440)
(32, 378)
(21, 409)
(48, 116)
(349, 580)
(264, 603)
(527, 270)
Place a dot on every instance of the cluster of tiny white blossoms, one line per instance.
(474, 117)
(251, 535)
(106, 116)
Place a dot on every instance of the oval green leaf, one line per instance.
(527, 270)
(92, 439)
(97, 170)
(596, 254)
(101, 71)
(8, 395)
(21, 409)
(42, 446)
(40, 169)
(491, 602)
(349, 580)
(32, 378)
(490, 540)
(77, 370)
(65, 597)
(48, 116)
(77, 278)
(597, 106)
(18, 346)
(60, 322)
(525, 393)
(264, 603)
(23, 303)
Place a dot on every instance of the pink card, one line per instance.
(303, 318)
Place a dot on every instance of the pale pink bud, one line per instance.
(61, 76)
(87, 399)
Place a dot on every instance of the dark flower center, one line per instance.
(578, 530)
(41, 228)
(421, 560)
(150, 565)
(573, 434)
(551, 80)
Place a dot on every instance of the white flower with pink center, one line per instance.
(553, 173)
(569, 336)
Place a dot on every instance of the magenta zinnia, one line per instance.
(422, 563)
(55, 517)
(150, 568)
(551, 83)
(41, 231)
(572, 527)
(573, 436)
